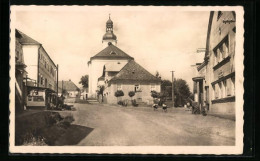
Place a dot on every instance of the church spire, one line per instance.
(109, 35)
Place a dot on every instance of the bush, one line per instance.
(119, 93)
(131, 94)
(155, 94)
(52, 118)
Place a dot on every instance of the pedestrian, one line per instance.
(164, 107)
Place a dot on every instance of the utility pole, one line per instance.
(172, 88)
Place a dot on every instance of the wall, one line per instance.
(73, 93)
(220, 31)
(47, 70)
(224, 109)
(145, 93)
(95, 71)
(30, 53)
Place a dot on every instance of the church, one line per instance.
(115, 70)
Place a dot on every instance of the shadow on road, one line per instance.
(73, 135)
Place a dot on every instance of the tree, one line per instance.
(131, 94)
(166, 86)
(181, 91)
(84, 81)
(119, 93)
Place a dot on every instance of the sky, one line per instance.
(159, 38)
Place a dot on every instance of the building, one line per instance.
(214, 86)
(112, 69)
(128, 77)
(40, 76)
(20, 74)
(83, 93)
(70, 88)
(110, 54)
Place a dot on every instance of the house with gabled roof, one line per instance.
(130, 77)
(70, 87)
(40, 75)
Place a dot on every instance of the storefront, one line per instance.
(40, 98)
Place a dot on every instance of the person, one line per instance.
(155, 106)
(164, 107)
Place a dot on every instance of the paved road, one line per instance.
(130, 126)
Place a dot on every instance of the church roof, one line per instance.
(24, 39)
(134, 72)
(112, 52)
(109, 36)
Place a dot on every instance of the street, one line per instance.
(134, 126)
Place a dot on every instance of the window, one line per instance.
(220, 90)
(153, 88)
(137, 87)
(219, 15)
(38, 98)
(29, 98)
(224, 88)
(233, 91)
(42, 83)
(215, 58)
(225, 49)
(113, 53)
(216, 91)
(46, 82)
(119, 87)
(221, 51)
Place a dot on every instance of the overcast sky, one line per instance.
(159, 38)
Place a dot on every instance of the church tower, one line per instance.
(109, 36)
(110, 54)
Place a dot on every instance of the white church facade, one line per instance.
(105, 67)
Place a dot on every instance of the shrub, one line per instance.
(131, 94)
(155, 94)
(119, 93)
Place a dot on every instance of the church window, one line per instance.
(113, 53)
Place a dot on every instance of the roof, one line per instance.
(112, 52)
(68, 85)
(114, 66)
(134, 71)
(109, 35)
(24, 39)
